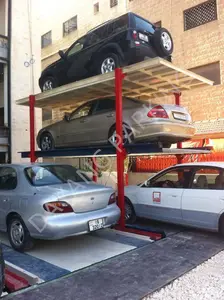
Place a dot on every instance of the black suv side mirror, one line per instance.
(62, 54)
(67, 117)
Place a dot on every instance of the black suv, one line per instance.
(119, 42)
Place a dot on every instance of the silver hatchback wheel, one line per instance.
(166, 40)
(17, 233)
(108, 65)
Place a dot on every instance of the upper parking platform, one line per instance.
(145, 80)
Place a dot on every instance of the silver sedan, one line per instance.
(52, 201)
(94, 123)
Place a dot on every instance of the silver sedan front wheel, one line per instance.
(17, 233)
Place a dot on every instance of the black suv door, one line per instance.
(79, 57)
(76, 58)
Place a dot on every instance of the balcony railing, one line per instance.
(3, 47)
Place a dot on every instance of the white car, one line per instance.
(188, 194)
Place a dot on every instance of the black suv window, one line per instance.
(112, 27)
(8, 178)
(143, 25)
(104, 105)
(79, 45)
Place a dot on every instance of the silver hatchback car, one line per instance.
(94, 123)
(52, 201)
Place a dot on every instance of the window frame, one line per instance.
(11, 189)
(96, 8)
(66, 33)
(196, 6)
(197, 168)
(113, 3)
(216, 82)
(80, 107)
(95, 112)
(164, 172)
(43, 38)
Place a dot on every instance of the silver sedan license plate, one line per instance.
(180, 116)
(96, 224)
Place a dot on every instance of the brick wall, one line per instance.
(193, 48)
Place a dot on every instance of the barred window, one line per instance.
(158, 24)
(69, 26)
(46, 39)
(96, 8)
(209, 71)
(113, 3)
(201, 14)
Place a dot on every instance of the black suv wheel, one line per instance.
(163, 42)
(108, 63)
(48, 83)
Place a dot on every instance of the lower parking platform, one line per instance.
(133, 274)
(50, 260)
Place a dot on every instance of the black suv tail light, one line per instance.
(134, 34)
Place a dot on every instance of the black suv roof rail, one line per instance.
(107, 22)
(91, 30)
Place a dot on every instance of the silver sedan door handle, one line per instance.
(174, 196)
(5, 200)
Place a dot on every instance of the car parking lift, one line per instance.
(146, 80)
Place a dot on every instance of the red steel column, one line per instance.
(95, 169)
(120, 149)
(32, 128)
(179, 144)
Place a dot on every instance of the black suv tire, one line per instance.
(163, 42)
(50, 83)
(115, 62)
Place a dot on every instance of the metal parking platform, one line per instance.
(110, 151)
(144, 80)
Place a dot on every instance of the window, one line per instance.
(8, 178)
(200, 14)
(174, 178)
(141, 24)
(53, 174)
(208, 178)
(158, 24)
(105, 105)
(113, 3)
(210, 71)
(76, 47)
(46, 39)
(69, 26)
(96, 8)
(83, 111)
(46, 114)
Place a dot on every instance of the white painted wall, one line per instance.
(21, 77)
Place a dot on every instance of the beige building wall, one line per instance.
(193, 48)
(24, 34)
